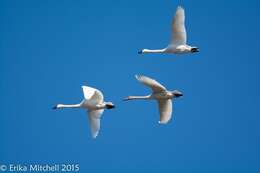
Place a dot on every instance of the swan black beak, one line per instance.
(178, 95)
(140, 51)
(194, 49)
(54, 107)
(110, 106)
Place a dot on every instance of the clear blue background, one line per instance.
(48, 49)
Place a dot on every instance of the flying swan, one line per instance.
(94, 103)
(159, 93)
(178, 37)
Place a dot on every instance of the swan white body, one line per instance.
(94, 103)
(159, 93)
(178, 43)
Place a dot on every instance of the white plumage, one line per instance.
(94, 103)
(159, 93)
(178, 37)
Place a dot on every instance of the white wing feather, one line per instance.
(93, 95)
(94, 121)
(153, 84)
(165, 109)
(179, 36)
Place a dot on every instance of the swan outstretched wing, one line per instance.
(94, 121)
(153, 84)
(179, 36)
(93, 94)
(165, 109)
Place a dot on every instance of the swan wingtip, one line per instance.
(162, 122)
(94, 136)
(180, 7)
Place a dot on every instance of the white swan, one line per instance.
(178, 39)
(94, 102)
(159, 93)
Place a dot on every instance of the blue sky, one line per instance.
(48, 49)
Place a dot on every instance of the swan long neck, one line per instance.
(137, 97)
(59, 106)
(153, 51)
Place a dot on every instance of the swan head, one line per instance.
(109, 105)
(194, 49)
(140, 51)
(177, 93)
(57, 106)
